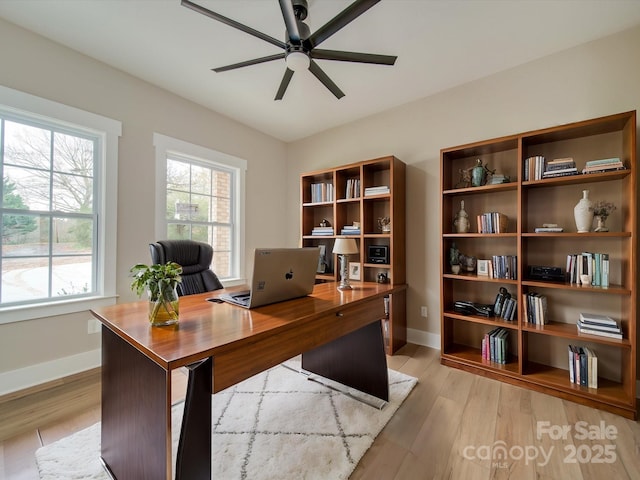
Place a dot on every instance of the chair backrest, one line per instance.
(195, 260)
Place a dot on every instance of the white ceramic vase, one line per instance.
(583, 214)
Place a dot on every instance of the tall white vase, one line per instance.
(583, 214)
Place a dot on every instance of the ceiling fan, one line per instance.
(300, 47)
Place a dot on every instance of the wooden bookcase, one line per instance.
(538, 356)
(346, 206)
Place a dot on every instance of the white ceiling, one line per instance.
(439, 44)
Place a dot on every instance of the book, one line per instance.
(368, 191)
(603, 161)
(572, 369)
(548, 229)
(600, 328)
(599, 333)
(598, 319)
(592, 368)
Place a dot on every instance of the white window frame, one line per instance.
(165, 147)
(14, 102)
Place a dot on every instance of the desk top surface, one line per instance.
(208, 327)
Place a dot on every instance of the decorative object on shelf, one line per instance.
(454, 258)
(479, 174)
(384, 224)
(383, 277)
(583, 213)
(467, 263)
(601, 210)
(498, 179)
(344, 247)
(465, 178)
(461, 222)
(354, 270)
(324, 223)
(161, 282)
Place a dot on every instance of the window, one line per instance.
(200, 192)
(53, 208)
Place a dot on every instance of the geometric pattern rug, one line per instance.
(275, 425)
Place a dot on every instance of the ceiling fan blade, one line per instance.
(288, 73)
(353, 57)
(349, 14)
(290, 20)
(324, 78)
(232, 23)
(247, 63)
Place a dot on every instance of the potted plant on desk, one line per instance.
(160, 281)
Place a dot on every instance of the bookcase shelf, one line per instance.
(350, 205)
(539, 358)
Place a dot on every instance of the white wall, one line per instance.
(37, 66)
(592, 80)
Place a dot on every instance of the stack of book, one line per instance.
(321, 192)
(583, 366)
(495, 345)
(560, 167)
(588, 263)
(504, 266)
(535, 308)
(368, 191)
(533, 167)
(600, 325)
(350, 230)
(322, 231)
(353, 188)
(604, 165)
(492, 222)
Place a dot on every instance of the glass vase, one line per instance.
(164, 307)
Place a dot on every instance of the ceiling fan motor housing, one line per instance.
(300, 9)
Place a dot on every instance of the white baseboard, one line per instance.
(16, 380)
(426, 339)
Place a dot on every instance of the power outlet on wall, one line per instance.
(93, 326)
(423, 312)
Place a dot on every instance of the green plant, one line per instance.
(602, 208)
(160, 280)
(156, 278)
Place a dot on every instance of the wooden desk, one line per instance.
(338, 333)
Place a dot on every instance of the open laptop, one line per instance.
(278, 274)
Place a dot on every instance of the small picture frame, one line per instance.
(354, 270)
(483, 268)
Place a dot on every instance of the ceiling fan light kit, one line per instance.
(298, 61)
(300, 45)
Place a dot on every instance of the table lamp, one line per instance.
(344, 247)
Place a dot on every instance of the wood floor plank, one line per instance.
(434, 443)
(478, 423)
(384, 457)
(590, 451)
(548, 412)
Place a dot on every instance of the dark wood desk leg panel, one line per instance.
(357, 360)
(136, 419)
(194, 450)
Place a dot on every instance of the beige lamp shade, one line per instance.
(345, 246)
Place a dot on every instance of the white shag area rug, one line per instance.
(275, 425)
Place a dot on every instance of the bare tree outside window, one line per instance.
(48, 213)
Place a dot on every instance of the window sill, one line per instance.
(32, 312)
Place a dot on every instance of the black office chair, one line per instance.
(195, 259)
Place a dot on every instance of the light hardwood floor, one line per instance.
(452, 425)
